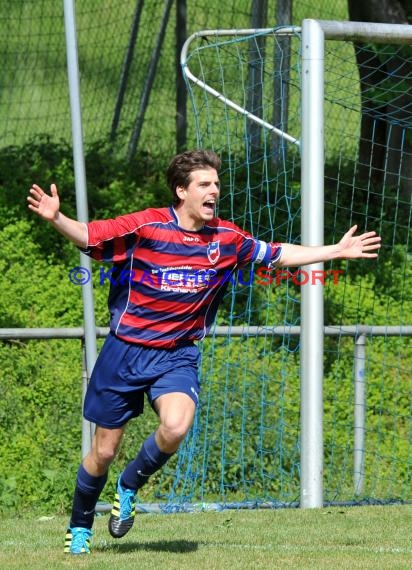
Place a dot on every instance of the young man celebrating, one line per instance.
(174, 259)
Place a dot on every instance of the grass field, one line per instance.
(354, 537)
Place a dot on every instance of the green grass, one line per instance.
(355, 537)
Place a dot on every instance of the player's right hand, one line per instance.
(44, 205)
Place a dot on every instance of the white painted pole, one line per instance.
(81, 203)
(311, 491)
(359, 414)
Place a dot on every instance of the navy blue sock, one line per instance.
(86, 495)
(149, 460)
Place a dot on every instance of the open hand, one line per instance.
(44, 205)
(354, 247)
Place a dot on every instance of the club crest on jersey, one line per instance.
(213, 251)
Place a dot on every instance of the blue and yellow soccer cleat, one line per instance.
(123, 511)
(78, 540)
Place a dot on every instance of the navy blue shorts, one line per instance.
(124, 372)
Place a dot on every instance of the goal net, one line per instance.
(246, 95)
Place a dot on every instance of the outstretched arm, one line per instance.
(349, 247)
(48, 208)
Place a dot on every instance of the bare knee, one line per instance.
(104, 449)
(175, 431)
(170, 434)
(104, 454)
(176, 412)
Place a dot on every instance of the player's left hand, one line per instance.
(362, 246)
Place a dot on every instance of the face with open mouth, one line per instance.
(199, 199)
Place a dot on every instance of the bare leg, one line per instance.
(92, 475)
(176, 413)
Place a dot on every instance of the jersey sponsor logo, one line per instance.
(213, 251)
(185, 279)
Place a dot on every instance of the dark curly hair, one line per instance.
(183, 164)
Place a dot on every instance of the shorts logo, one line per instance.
(213, 251)
(194, 393)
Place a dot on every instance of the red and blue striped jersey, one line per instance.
(166, 283)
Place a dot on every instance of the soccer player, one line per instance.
(167, 281)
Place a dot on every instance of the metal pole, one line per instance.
(87, 427)
(81, 198)
(366, 31)
(401, 331)
(359, 414)
(228, 102)
(311, 492)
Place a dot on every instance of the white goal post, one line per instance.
(311, 143)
